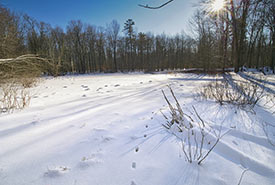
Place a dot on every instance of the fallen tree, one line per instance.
(25, 66)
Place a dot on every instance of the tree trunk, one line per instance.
(272, 63)
(115, 62)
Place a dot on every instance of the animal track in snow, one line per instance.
(106, 139)
(133, 183)
(56, 171)
(134, 165)
(84, 86)
(92, 160)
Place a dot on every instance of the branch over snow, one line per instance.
(26, 65)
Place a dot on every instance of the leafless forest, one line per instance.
(241, 34)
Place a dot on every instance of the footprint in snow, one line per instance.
(117, 85)
(98, 130)
(134, 137)
(82, 126)
(134, 165)
(92, 160)
(34, 122)
(106, 139)
(84, 86)
(56, 171)
(133, 183)
(3, 175)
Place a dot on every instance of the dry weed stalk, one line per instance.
(16, 76)
(198, 138)
(13, 96)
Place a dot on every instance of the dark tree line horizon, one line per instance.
(241, 35)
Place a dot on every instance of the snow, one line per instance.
(106, 129)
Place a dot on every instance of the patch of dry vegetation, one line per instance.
(17, 75)
(198, 138)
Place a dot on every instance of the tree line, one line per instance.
(241, 34)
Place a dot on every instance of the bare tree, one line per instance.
(271, 25)
(113, 31)
(129, 32)
(75, 32)
(100, 48)
(11, 37)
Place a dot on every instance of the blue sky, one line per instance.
(171, 19)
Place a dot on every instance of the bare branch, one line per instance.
(155, 7)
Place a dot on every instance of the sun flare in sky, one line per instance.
(217, 5)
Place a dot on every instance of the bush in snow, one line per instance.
(16, 76)
(13, 95)
(242, 95)
(198, 138)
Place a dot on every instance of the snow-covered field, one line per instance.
(107, 130)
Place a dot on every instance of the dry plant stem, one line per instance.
(241, 178)
(210, 150)
(201, 144)
(188, 131)
(203, 124)
(196, 146)
(217, 141)
(189, 145)
(264, 125)
(183, 149)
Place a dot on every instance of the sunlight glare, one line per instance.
(218, 5)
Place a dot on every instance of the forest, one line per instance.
(110, 105)
(240, 35)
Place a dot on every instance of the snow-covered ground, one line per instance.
(107, 130)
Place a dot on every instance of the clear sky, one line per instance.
(171, 19)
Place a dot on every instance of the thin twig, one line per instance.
(155, 7)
